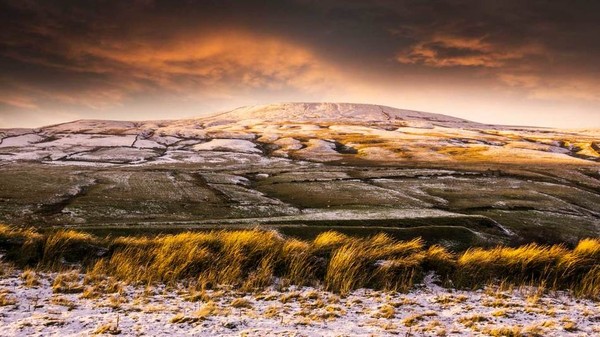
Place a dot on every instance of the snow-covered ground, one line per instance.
(428, 310)
(230, 145)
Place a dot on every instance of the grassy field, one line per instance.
(469, 204)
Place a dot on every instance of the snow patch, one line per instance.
(22, 140)
(229, 145)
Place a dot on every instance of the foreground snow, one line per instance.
(157, 311)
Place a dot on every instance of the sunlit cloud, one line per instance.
(452, 51)
(520, 67)
(220, 63)
(154, 59)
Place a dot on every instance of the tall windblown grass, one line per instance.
(376, 262)
(253, 259)
(23, 246)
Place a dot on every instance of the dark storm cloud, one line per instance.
(88, 55)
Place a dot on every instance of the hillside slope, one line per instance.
(323, 132)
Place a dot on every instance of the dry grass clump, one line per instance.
(252, 259)
(415, 318)
(534, 330)
(386, 311)
(6, 299)
(503, 331)
(181, 318)
(26, 247)
(329, 240)
(241, 303)
(109, 328)
(378, 262)
(553, 266)
(244, 258)
(440, 260)
(589, 248)
(501, 313)
(290, 296)
(302, 266)
(523, 264)
(67, 283)
(162, 259)
(22, 246)
(67, 246)
(569, 326)
(65, 302)
(469, 321)
(90, 293)
(450, 299)
(207, 310)
(590, 283)
(247, 258)
(30, 278)
(197, 296)
(272, 311)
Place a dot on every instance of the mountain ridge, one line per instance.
(297, 112)
(349, 112)
(303, 111)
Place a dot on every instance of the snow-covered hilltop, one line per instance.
(323, 132)
(338, 113)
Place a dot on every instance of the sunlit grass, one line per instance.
(254, 259)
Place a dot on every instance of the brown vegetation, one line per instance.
(251, 259)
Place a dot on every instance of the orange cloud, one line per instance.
(524, 68)
(208, 65)
(451, 51)
(217, 63)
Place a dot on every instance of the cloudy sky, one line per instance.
(523, 62)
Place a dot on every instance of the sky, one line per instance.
(510, 62)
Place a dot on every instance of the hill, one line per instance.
(305, 168)
(324, 132)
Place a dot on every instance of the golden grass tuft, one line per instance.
(23, 246)
(109, 328)
(66, 246)
(252, 259)
(469, 321)
(378, 262)
(241, 303)
(569, 325)
(386, 311)
(272, 311)
(530, 264)
(6, 300)
(301, 266)
(30, 278)
(206, 310)
(503, 331)
(65, 302)
(588, 247)
(417, 317)
(67, 283)
(329, 240)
